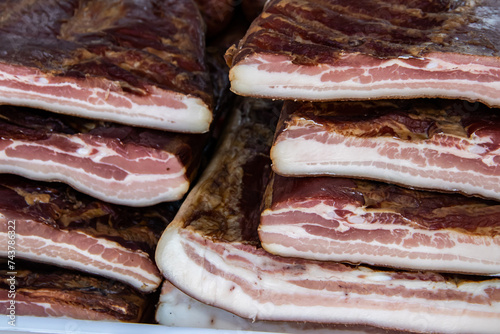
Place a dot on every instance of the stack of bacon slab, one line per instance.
(212, 252)
(114, 99)
(345, 236)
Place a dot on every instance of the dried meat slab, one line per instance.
(211, 251)
(177, 309)
(112, 162)
(319, 50)
(55, 292)
(138, 63)
(51, 223)
(430, 144)
(357, 221)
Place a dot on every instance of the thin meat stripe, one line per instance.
(211, 251)
(331, 50)
(430, 144)
(336, 219)
(138, 64)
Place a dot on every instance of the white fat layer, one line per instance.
(60, 254)
(309, 157)
(268, 276)
(249, 80)
(135, 190)
(195, 117)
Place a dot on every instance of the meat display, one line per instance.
(319, 50)
(138, 63)
(54, 224)
(55, 292)
(211, 251)
(357, 221)
(430, 144)
(115, 163)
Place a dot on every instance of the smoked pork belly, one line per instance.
(357, 221)
(425, 143)
(177, 309)
(54, 224)
(322, 50)
(211, 251)
(138, 63)
(56, 292)
(112, 162)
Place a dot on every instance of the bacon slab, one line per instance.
(431, 144)
(211, 252)
(55, 292)
(337, 219)
(138, 63)
(217, 14)
(53, 224)
(177, 309)
(319, 50)
(115, 163)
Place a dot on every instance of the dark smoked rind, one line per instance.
(376, 28)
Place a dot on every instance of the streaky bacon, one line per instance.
(137, 63)
(51, 223)
(355, 221)
(55, 292)
(442, 145)
(177, 309)
(321, 50)
(211, 251)
(115, 163)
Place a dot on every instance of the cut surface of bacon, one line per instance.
(321, 50)
(115, 163)
(138, 63)
(54, 224)
(357, 221)
(55, 292)
(211, 251)
(430, 144)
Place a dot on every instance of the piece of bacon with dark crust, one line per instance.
(319, 50)
(56, 225)
(211, 251)
(116, 163)
(112, 162)
(358, 221)
(139, 63)
(55, 292)
(444, 145)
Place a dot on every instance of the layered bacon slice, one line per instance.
(138, 63)
(177, 309)
(433, 144)
(211, 251)
(337, 219)
(340, 49)
(53, 224)
(55, 292)
(115, 163)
